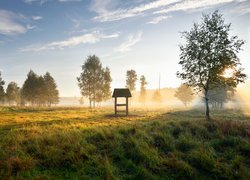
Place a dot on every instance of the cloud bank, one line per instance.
(89, 38)
(9, 24)
(154, 7)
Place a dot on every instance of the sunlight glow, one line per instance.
(228, 73)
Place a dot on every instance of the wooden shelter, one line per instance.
(121, 93)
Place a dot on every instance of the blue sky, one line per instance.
(57, 36)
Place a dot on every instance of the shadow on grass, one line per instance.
(225, 114)
(122, 115)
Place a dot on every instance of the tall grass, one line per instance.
(73, 143)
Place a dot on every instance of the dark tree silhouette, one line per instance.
(131, 80)
(207, 53)
(40, 90)
(51, 92)
(220, 95)
(185, 94)
(143, 92)
(106, 84)
(2, 93)
(94, 81)
(13, 93)
(31, 88)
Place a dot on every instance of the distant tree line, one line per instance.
(36, 91)
(95, 83)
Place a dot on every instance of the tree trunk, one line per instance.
(207, 106)
(90, 103)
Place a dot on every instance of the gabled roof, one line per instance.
(121, 92)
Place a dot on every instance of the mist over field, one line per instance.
(241, 100)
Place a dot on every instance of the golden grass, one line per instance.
(81, 138)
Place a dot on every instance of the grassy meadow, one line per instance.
(80, 143)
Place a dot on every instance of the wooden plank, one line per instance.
(115, 106)
(127, 106)
(121, 104)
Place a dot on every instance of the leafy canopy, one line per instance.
(143, 92)
(94, 81)
(208, 52)
(2, 93)
(185, 94)
(13, 93)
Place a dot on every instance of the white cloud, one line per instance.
(29, 27)
(187, 5)
(131, 41)
(69, 0)
(159, 19)
(33, 1)
(89, 38)
(242, 9)
(102, 8)
(44, 1)
(9, 24)
(105, 15)
(36, 18)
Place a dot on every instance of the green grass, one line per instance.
(78, 143)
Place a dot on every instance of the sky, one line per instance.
(144, 35)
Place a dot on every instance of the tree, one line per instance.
(131, 80)
(2, 93)
(13, 93)
(51, 92)
(39, 90)
(157, 96)
(81, 101)
(220, 95)
(22, 98)
(185, 94)
(30, 89)
(207, 53)
(106, 84)
(94, 81)
(143, 92)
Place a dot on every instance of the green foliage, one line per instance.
(2, 93)
(34, 88)
(220, 95)
(40, 90)
(207, 53)
(131, 79)
(13, 93)
(94, 81)
(185, 94)
(143, 91)
(51, 94)
(78, 143)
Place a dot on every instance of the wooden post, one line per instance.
(127, 106)
(115, 106)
